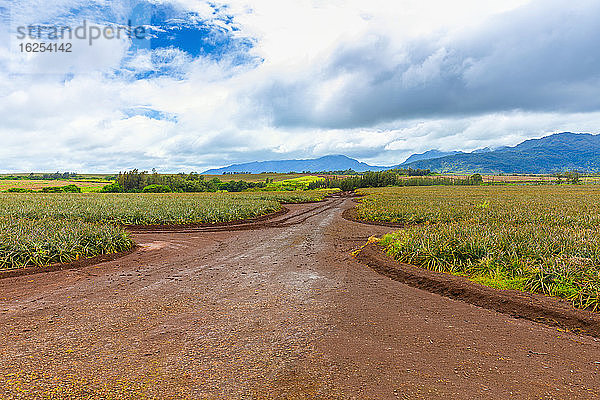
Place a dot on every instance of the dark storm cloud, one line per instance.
(543, 57)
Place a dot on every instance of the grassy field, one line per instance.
(299, 183)
(86, 186)
(288, 182)
(149, 209)
(279, 181)
(542, 239)
(39, 229)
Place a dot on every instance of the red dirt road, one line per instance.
(281, 312)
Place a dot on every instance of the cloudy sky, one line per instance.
(213, 83)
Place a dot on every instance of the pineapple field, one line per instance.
(541, 239)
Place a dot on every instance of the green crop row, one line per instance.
(40, 229)
(25, 242)
(151, 208)
(541, 239)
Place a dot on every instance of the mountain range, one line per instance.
(327, 163)
(430, 155)
(555, 153)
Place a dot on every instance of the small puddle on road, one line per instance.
(156, 245)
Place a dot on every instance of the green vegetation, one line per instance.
(151, 208)
(157, 189)
(42, 224)
(299, 183)
(57, 176)
(570, 177)
(135, 181)
(20, 190)
(62, 189)
(30, 186)
(35, 242)
(541, 239)
(399, 171)
(57, 182)
(549, 155)
(141, 181)
(394, 178)
(42, 228)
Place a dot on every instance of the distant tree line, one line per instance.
(391, 178)
(336, 172)
(400, 171)
(411, 172)
(48, 189)
(45, 177)
(136, 181)
(569, 177)
(62, 189)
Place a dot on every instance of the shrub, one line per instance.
(20, 190)
(112, 188)
(157, 189)
(476, 179)
(62, 189)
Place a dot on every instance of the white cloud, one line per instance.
(374, 80)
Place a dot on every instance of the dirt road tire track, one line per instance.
(269, 220)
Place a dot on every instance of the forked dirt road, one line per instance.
(281, 312)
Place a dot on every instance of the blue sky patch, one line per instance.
(150, 113)
(168, 27)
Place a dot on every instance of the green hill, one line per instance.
(555, 153)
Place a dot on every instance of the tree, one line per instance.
(572, 177)
(476, 179)
(157, 189)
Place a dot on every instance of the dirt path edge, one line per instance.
(550, 311)
(85, 262)
(101, 258)
(254, 223)
(177, 227)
